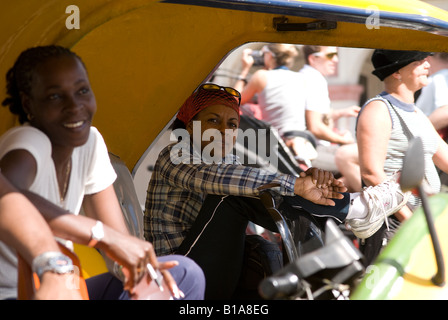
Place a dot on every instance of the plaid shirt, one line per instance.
(176, 192)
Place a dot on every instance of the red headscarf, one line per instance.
(201, 99)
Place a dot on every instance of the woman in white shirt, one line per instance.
(61, 163)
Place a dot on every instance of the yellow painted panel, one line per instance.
(92, 263)
(422, 266)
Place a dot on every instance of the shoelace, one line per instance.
(375, 195)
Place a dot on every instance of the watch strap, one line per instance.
(97, 234)
(53, 261)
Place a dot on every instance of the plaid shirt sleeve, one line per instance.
(178, 187)
(232, 179)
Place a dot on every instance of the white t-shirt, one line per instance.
(435, 94)
(91, 172)
(317, 96)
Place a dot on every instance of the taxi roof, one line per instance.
(410, 14)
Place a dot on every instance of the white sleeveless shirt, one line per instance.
(282, 102)
(408, 121)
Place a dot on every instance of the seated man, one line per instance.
(320, 118)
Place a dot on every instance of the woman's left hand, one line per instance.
(307, 189)
(169, 280)
(141, 290)
(321, 178)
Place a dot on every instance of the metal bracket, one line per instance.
(282, 24)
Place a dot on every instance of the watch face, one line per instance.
(52, 261)
(60, 264)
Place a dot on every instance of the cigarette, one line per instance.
(154, 276)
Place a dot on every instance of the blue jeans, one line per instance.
(188, 276)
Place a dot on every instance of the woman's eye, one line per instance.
(84, 90)
(54, 96)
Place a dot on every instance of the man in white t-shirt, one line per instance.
(433, 100)
(320, 117)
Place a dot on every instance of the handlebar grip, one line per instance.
(282, 286)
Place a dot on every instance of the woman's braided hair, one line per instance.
(19, 77)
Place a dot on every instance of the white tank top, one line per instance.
(408, 121)
(282, 102)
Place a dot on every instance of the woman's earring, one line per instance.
(29, 116)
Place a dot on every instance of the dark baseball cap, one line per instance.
(387, 62)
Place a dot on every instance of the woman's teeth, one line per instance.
(74, 124)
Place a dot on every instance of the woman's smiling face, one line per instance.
(219, 118)
(61, 102)
(415, 74)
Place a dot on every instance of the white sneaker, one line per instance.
(383, 200)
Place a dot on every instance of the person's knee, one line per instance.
(189, 277)
(346, 153)
(339, 155)
(189, 267)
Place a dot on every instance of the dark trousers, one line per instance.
(372, 246)
(216, 239)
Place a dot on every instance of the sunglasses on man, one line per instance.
(328, 56)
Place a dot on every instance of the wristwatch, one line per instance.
(52, 261)
(97, 234)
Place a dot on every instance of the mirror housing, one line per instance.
(413, 170)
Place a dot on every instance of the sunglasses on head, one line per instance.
(329, 56)
(215, 87)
